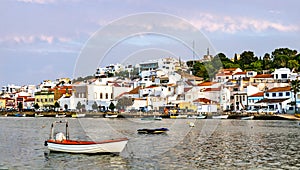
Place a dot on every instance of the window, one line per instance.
(280, 94)
(111, 96)
(101, 96)
(169, 88)
(273, 94)
(243, 98)
(267, 94)
(287, 93)
(284, 76)
(106, 95)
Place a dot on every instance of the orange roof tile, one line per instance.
(240, 73)
(211, 89)
(206, 83)
(135, 90)
(263, 76)
(280, 89)
(259, 94)
(202, 100)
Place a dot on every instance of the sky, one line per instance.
(49, 39)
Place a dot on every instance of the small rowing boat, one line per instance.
(62, 143)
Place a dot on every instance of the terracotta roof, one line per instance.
(206, 83)
(259, 94)
(135, 90)
(202, 100)
(189, 83)
(280, 89)
(265, 100)
(152, 86)
(211, 89)
(29, 100)
(187, 89)
(263, 76)
(240, 73)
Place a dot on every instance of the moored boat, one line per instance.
(197, 117)
(62, 143)
(78, 115)
(60, 116)
(247, 118)
(111, 116)
(178, 116)
(153, 131)
(152, 118)
(220, 116)
(38, 115)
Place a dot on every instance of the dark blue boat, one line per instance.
(153, 131)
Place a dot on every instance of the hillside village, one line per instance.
(160, 84)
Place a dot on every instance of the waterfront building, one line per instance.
(253, 99)
(278, 99)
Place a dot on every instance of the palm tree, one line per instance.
(295, 85)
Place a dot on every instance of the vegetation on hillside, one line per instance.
(281, 57)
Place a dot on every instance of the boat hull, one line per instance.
(247, 118)
(87, 147)
(220, 117)
(153, 131)
(78, 115)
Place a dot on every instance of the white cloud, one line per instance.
(37, 1)
(230, 24)
(30, 39)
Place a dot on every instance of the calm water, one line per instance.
(211, 144)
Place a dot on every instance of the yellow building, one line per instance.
(2, 103)
(45, 99)
(187, 106)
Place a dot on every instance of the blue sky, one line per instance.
(42, 39)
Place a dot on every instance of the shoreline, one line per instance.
(141, 115)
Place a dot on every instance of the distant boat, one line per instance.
(111, 116)
(178, 116)
(197, 117)
(60, 116)
(62, 143)
(220, 117)
(78, 115)
(152, 118)
(153, 131)
(247, 118)
(38, 115)
(20, 115)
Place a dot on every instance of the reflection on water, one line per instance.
(211, 144)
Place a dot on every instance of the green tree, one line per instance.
(247, 57)
(79, 106)
(56, 105)
(293, 64)
(66, 107)
(295, 87)
(257, 65)
(36, 106)
(95, 106)
(124, 102)
(20, 106)
(112, 106)
(267, 62)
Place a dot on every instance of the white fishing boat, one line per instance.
(178, 116)
(38, 115)
(247, 118)
(60, 116)
(220, 116)
(111, 116)
(62, 143)
(197, 117)
(78, 115)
